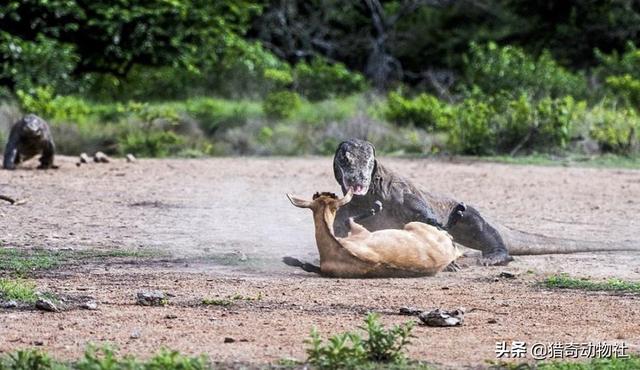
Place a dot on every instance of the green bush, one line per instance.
(32, 63)
(320, 80)
(214, 115)
(496, 68)
(627, 87)
(349, 350)
(151, 143)
(615, 64)
(617, 131)
(424, 111)
(472, 130)
(281, 104)
(44, 103)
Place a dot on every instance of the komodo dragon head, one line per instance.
(32, 127)
(353, 165)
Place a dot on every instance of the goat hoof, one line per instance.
(453, 267)
(290, 261)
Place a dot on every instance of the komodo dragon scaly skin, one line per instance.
(29, 137)
(356, 167)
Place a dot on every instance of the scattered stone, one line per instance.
(507, 275)
(90, 305)
(492, 321)
(84, 158)
(229, 340)
(135, 334)
(440, 317)
(46, 305)
(410, 311)
(152, 298)
(130, 158)
(171, 316)
(9, 304)
(100, 157)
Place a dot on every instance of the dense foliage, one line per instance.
(194, 77)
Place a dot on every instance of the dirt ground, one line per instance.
(218, 228)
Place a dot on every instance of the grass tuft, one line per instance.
(564, 281)
(350, 350)
(631, 363)
(21, 262)
(18, 290)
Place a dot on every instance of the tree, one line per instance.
(114, 35)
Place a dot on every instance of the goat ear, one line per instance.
(301, 203)
(346, 199)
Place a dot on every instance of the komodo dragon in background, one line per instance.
(29, 137)
(356, 167)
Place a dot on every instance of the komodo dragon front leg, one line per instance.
(424, 213)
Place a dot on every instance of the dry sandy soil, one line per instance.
(218, 227)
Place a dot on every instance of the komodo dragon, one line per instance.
(356, 167)
(29, 137)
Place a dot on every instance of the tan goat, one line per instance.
(417, 250)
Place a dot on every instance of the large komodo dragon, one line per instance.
(29, 137)
(356, 168)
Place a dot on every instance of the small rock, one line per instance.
(135, 334)
(440, 317)
(84, 158)
(507, 275)
(171, 316)
(90, 305)
(410, 311)
(100, 157)
(46, 305)
(152, 298)
(229, 340)
(130, 158)
(492, 321)
(38, 343)
(9, 304)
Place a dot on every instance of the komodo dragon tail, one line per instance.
(523, 243)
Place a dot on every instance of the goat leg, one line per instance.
(294, 262)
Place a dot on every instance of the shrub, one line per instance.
(281, 104)
(151, 143)
(424, 111)
(508, 68)
(320, 80)
(555, 121)
(33, 63)
(626, 87)
(45, 103)
(214, 115)
(471, 130)
(617, 131)
(615, 64)
(349, 350)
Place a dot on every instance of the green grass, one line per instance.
(18, 290)
(600, 161)
(102, 359)
(382, 347)
(21, 262)
(229, 300)
(564, 281)
(631, 363)
(217, 302)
